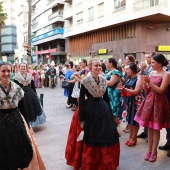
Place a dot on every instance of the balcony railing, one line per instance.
(56, 14)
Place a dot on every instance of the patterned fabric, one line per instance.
(94, 89)
(73, 148)
(100, 158)
(25, 81)
(11, 101)
(76, 90)
(131, 103)
(154, 111)
(114, 94)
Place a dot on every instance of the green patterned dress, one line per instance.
(113, 93)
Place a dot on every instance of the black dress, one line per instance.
(31, 107)
(101, 147)
(15, 145)
(99, 128)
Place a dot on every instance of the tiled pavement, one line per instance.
(51, 138)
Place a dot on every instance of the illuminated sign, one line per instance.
(163, 48)
(102, 51)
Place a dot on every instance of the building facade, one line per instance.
(8, 32)
(116, 28)
(22, 32)
(47, 31)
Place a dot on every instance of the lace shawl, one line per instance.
(92, 87)
(11, 101)
(25, 81)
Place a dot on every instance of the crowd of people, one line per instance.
(108, 93)
(101, 94)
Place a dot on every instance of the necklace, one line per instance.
(97, 81)
(6, 91)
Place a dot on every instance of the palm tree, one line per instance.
(3, 16)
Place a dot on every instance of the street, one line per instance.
(51, 138)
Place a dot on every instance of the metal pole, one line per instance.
(29, 29)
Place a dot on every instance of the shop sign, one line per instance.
(102, 51)
(47, 56)
(46, 51)
(163, 48)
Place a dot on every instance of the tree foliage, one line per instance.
(3, 16)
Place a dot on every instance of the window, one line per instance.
(91, 13)
(101, 9)
(119, 4)
(79, 17)
(154, 2)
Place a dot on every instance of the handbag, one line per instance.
(65, 84)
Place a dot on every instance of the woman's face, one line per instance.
(5, 72)
(127, 61)
(129, 71)
(96, 67)
(155, 65)
(108, 65)
(83, 65)
(23, 67)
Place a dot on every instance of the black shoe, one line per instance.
(142, 135)
(165, 147)
(168, 154)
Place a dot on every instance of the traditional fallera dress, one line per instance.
(17, 144)
(113, 93)
(74, 148)
(31, 106)
(154, 111)
(101, 142)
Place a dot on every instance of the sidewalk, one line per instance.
(51, 138)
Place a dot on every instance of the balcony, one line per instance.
(35, 25)
(145, 4)
(68, 13)
(68, 29)
(56, 33)
(55, 15)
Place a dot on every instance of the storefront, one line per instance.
(103, 54)
(165, 50)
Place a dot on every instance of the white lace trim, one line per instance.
(91, 85)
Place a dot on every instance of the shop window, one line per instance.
(119, 4)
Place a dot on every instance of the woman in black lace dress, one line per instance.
(101, 142)
(31, 106)
(17, 146)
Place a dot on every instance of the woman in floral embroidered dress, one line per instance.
(101, 142)
(154, 111)
(18, 148)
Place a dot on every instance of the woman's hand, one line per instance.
(146, 79)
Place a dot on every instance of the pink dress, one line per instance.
(154, 111)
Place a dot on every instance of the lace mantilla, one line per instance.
(14, 96)
(24, 81)
(92, 87)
